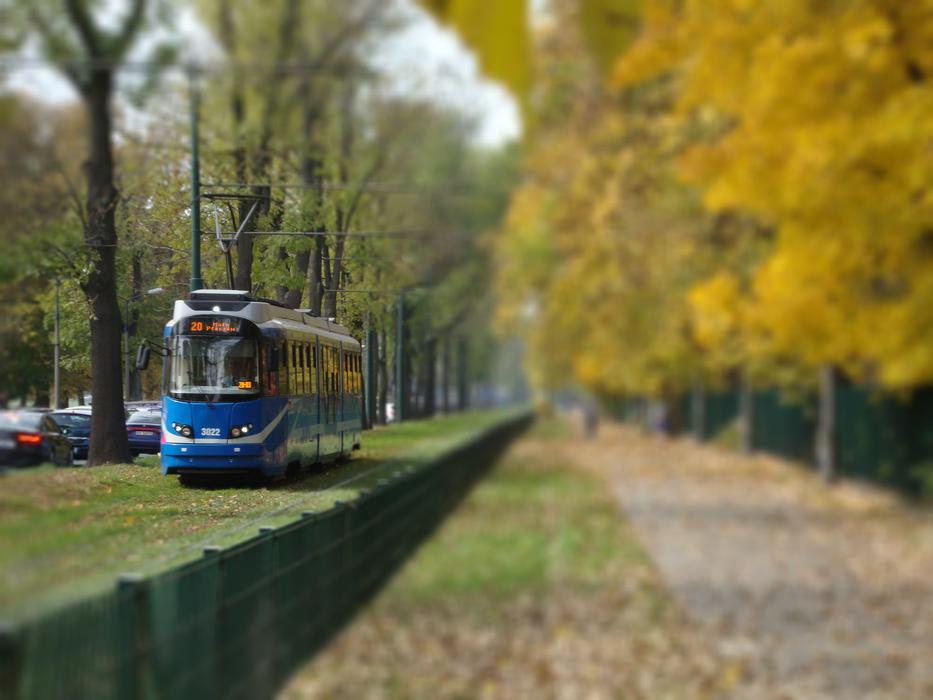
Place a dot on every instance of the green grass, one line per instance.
(67, 532)
(531, 524)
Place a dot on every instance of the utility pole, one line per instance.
(195, 103)
(57, 390)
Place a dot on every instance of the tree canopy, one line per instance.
(746, 188)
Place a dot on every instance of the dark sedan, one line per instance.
(76, 426)
(28, 438)
(144, 432)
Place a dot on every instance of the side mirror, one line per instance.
(142, 356)
(274, 357)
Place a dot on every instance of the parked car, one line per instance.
(28, 438)
(144, 431)
(133, 406)
(75, 424)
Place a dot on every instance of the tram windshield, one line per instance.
(213, 368)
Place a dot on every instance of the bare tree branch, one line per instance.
(131, 27)
(81, 19)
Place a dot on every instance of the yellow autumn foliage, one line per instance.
(754, 194)
(827, 131)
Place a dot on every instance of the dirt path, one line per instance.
(813, 592)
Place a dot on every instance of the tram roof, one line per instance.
(262, 312)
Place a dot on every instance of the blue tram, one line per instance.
(253, 386)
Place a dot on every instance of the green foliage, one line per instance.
(383, 163)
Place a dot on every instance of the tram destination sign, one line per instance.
(214, 325)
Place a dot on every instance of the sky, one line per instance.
(424, 59)
(428, 59)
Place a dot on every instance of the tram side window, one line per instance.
(306, 359)
(341, 376)
(283, 370)
(270, 378)
(325, 370)
(299, 369)
(347, 373)
(342, 368)
(359, 374)
(302, 370)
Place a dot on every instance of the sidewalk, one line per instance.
(812, 592)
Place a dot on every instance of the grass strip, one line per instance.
(65, 533)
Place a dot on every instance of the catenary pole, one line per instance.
(195, 103)
(57, 379)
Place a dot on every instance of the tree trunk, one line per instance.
(430, 377)
(294, 296)
(332, 277)
(826, 425)
(282, 293)
(315, 282)
(108, 424)
(310, 261)
(382, 370)
(445, 375)
(463, 389)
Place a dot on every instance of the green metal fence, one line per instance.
(880, 437)
(885, 439)
(783, 426)
(235, 623)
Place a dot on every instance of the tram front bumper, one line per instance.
(226, 456)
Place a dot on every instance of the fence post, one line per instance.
(746, 414)
(10, 656)
(826, 424)
(132, 611)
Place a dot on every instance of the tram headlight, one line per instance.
(183, 430)
(240, 430)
